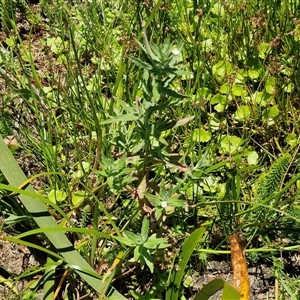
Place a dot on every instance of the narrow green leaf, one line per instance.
(140, 63)
(125, 241)
(14, 175)
(156, 243)
(49, 279)
(115, 295)
(148, 259)
(145, 229)
(229, 292)
(63, 229)
(172, 93)
(133, 237)
(34, 246)
(122, 118)
(177, 276)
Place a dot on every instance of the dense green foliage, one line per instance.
(153, 118)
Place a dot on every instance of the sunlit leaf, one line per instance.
(253, 74)
(57, 196)
(292, 139)
(148, 259)
(225, 89)
(252, 158)
(78, 197)
(261, 98)
(125, 241)
(243, 113)
(221, 102)
(145, 229)
(201, 135)
(270, 113)
(230, 144)
(218, 98)
(263, 49)
(229, 292)
(271, 86)
(222, 69)
(239, 90)
(289, 88)
(156, 243)
(218, 9)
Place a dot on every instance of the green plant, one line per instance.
(176, 276)
(34, 204)
(143, 244)
(165, 202)
(184, 111)
(8, 10)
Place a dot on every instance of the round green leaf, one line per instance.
(261, 98)
(225, 89)
(222, 69)
(218, 98)
(253, 74)
(271, 85)
(289, 88)
(242, 113)
(252, 158)
(218, 9)
(263, 48)
(77, 198)
(221, 102)
(201, 135)
(291, 139)
(230, 144)
(57, 196)
(238, 90)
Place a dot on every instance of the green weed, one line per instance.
(150, 119)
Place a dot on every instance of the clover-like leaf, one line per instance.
(230, 144)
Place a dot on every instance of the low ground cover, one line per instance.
(148, 123)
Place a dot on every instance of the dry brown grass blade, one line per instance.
(239, 265)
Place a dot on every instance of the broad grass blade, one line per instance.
(14, 175)
(229, 292)
(187, 249)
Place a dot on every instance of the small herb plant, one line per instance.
(143, 244)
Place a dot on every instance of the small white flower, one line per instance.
(175, 51)
(164, 204)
